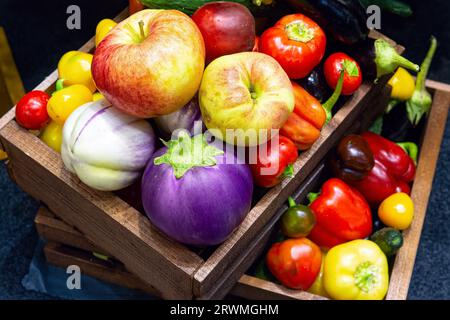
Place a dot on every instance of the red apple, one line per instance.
(151, 64)
(227, 28)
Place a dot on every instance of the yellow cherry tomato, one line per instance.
(318, 287)
(403, 85)
(52, 136)
(75, 68)
(97, 96)
(103, 28)
(65, 101)
(397, 211)
(356, 270)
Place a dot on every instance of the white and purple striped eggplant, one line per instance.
(183, 119)
(106, 148)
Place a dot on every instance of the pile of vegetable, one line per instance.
(151, 110)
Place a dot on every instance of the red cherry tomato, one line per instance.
(296, 42)
(295, 262)
(31, 111)
(352, 76)
(274, 164)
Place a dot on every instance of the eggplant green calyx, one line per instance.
(421, 100)
(388, 60)
(328, 106)
(187, 152)
(411, 149)
(298, 31)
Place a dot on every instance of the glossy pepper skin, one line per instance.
(275, 164)
(394, 169)
(65, 101)
(102, 30)
(353, 158)
(304, 125)
(353, 77)
(403, 85)
(296, 42)
(295, 262)
(356, 270)
(31, 110)
(342, 214)
(75, 68)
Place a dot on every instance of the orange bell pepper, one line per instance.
(304, 125)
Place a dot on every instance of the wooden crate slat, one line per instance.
(217, 264)
(429, 153)
(104, 218)
(62, 256)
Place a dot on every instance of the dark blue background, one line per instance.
(38, 37)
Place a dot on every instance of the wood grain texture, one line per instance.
(429, 154)
(122, 231)
(219, 262)
(104, 218)
(108, 271)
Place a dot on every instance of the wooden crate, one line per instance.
(174, 270)
(69, 246)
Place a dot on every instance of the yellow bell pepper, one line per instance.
(65, 101)
(356, 270)
(97, 96)
(3, 155)
(318, 287)
(397, 211)
(52, 136)
(75, 68)
(103, 28)
(402, 84)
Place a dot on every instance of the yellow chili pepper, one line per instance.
(52, 136)
(97, 96)
(75, 68)
(318, 287)
(402, 84)
(65, 101)
(397, 211)
(356, 270)
(103, 28)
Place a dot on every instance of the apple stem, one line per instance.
(141, 28)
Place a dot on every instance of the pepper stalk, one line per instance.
(420, 102)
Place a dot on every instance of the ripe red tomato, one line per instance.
(295, 262)
(274, 164)
(296, 42)
(227, 28)
(31, 111)
(352, 72)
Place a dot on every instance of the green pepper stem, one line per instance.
(59, 84)
(331, 102)
(411, 149)
(288, 172)
(425, 67)
(312, 196)
(291, 202)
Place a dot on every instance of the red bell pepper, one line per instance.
(342, 214)
(296, 42)
(275, 164)
(394, 169)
